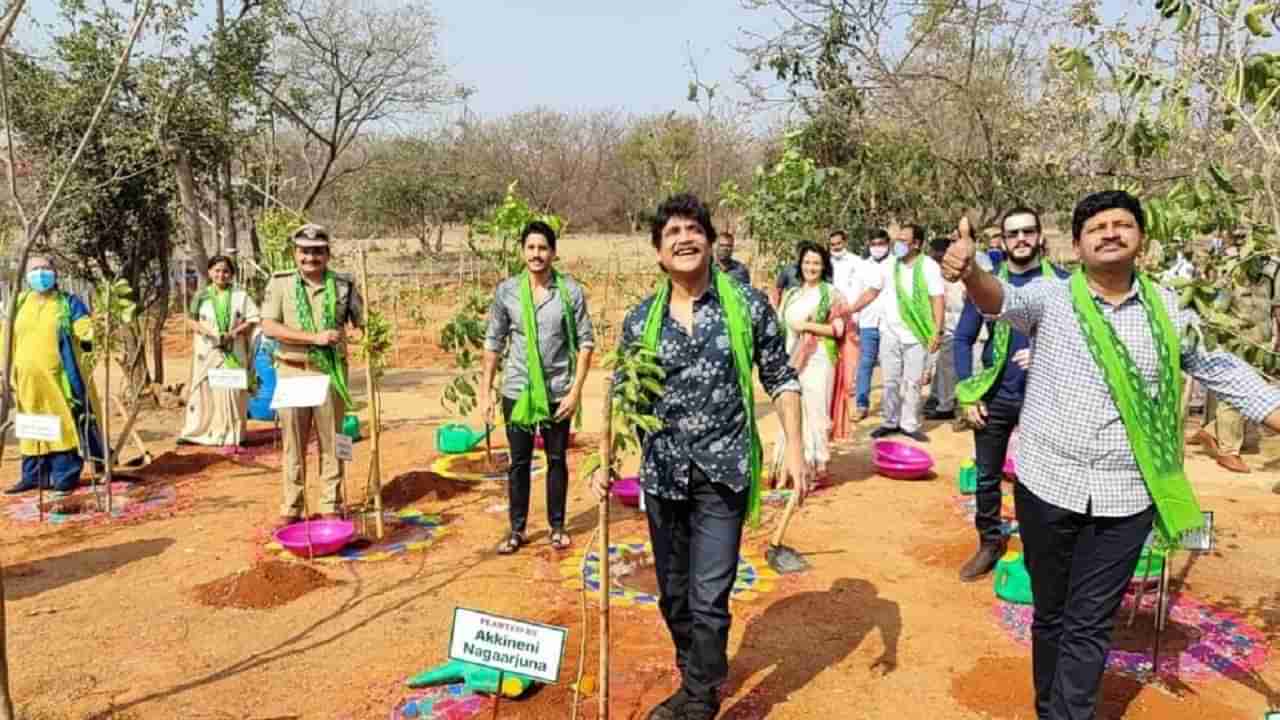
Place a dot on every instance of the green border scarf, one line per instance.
(533, 407)
(221, 301)
(820, 316)
(327, 359)
(1154, 425)
(915, 311)
(741, 344)
(975, 387)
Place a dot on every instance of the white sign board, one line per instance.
(1200, 540)
(507, 645)
(229, 378)
(43, 428)
(343, 448)
(301, 391)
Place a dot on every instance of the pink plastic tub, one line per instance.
(901, 453)
(903, 471)
(628, 491)
(327, 537)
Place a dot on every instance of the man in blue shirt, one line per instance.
(996, 414)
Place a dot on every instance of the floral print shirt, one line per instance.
(703, 420)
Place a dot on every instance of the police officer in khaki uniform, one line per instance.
(302, 339)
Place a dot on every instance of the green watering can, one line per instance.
(351, 427)
(967, 480)
(1012, 581)
(456, 438)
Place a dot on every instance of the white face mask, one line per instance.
(879, 252)
(900, 249)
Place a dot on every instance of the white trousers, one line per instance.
(903, 367)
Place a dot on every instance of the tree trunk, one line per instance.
(162, 310)
(440, 239)
(191, 213)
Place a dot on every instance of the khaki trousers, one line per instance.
(295, 426)
(1225, 423)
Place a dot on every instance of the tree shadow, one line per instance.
(800, 636)
(28, 579)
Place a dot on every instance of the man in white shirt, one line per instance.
(869, 319)
(910, 330)
(844, 264)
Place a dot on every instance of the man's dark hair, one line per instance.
(940, 243)
(843, 235)
(1101, 202)
(917, 233)
(1019, 210)
(877, 234)
(684, 205)
(806, 247)
(217, 260)
(537, 227)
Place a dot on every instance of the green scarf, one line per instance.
(820, 316)
(221, 301)
(972, 389)
(916, 311)
(737, 319)
(533, 407)
(327, 359)
(1154, 425)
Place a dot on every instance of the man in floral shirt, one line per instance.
(697, 469)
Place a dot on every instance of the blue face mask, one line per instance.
(900, 249)
(996, 256)
(41, 279)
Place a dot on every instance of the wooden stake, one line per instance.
(606, 464)
(105, 428)
(375, 411)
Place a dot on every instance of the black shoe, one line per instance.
(982, 562)
(883, 431)
(940, 415)
(672, 708)
(21, 487)
(699, 710)
(916, 435)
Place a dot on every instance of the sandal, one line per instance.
(510, 544)
(560, 539)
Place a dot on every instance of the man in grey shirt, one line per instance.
(724, 259)
(1083, 499)
(564, 343)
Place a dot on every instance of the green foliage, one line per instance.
(378, 338)
(275, 227)
(112, 298)
(637, 384)
(505, 224)
(785, 203)
(463, 336)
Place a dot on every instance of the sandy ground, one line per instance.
(103, 620)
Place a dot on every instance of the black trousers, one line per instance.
(555, 442)
(695, 551)
(990, 445)
(1080, 566)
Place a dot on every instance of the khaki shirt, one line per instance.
(279, 304)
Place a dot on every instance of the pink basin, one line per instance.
(628, 490)
(327, 537)
(903, 471)
(901, 453)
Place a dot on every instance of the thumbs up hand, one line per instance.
(958, 263)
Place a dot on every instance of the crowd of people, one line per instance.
(1086, 365)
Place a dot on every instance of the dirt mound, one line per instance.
(1001, 688)
(413, 486)
(177, 464)
(266, 585)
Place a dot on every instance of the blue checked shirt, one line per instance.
(703, 421)
(1073, 451)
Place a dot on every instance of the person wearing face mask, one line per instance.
(222, 316)
(911, 290)
(52, 330)
(991, 400)
(846, 278)
(868, 320)
(724, 258)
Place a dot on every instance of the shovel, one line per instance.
(785, 560)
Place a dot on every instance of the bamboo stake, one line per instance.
(130, 418)
(104, 427)
(606, 464)
(375, 459)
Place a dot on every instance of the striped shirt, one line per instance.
(1073, 451)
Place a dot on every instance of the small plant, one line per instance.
(376, 343)
(505, 225)
(116, 299)
(464, 337)
(637, 384)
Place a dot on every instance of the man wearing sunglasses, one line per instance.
(307, 311)
(991, 401)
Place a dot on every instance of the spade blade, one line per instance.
(785, 560)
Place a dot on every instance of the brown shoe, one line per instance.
(1204, 439)
(983, 561)
(1233, 463)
